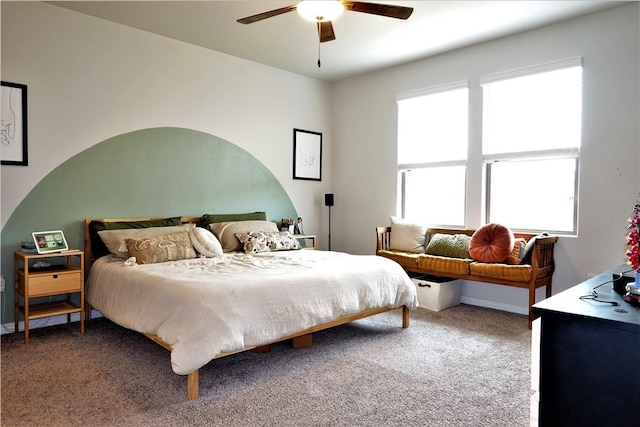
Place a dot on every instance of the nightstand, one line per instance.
(65, 275)
(304, 238)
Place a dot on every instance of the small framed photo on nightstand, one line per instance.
(50, 241)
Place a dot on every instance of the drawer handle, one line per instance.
(55, 276)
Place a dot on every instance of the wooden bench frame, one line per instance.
(542, 263)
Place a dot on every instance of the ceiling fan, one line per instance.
(323, 12)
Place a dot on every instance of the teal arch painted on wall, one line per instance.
(146, 173)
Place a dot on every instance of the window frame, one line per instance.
(404, 168)
(548, 154)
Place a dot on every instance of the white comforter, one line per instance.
(206, 306)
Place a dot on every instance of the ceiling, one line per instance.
(363, 42)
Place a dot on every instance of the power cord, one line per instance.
(594, 294)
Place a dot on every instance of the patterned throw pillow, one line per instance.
(518, 247)
(115, 239)
(265, 241)
(169, 247)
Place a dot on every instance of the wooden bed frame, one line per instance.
(300, 339)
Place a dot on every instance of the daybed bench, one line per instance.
(535, 273)
(203, 295)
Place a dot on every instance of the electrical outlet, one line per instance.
(2, 284)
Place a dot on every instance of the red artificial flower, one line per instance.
(633, 239)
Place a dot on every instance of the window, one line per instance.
(531, 139)
(518, 165)
(432, 155)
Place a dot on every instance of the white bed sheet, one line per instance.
(206, 306)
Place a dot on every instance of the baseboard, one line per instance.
(511, 308)
(9, 328)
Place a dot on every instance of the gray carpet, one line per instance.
(465, 366)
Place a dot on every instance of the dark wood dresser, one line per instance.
(589, 357)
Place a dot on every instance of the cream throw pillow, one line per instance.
(226, 232)
(407, 236)
(114, 240)
(205, 242)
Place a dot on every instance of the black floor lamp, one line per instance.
(328, 201)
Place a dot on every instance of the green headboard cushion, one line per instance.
(213, 218)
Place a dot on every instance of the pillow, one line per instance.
(527, 253)
(406, 236)
(449, 245)
(207, 219)
(98, 247)
(168, 247)
(115, 239)
(205, 242)
(491, 243)
(515, 257)
(226, 232)
(266, 241)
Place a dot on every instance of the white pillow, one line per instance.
(114, 240)
(205, 242)
(407, 236)
(226, 232)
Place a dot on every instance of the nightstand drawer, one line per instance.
(55, 283)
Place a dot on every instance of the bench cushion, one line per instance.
(405, 259)
(516, 273)
(444, 265)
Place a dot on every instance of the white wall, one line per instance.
(89, 80)
(364, 132)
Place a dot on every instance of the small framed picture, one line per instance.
(307, 155)
(13, 124)
(50, 241)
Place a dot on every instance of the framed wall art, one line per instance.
(13, 124)
(307, 155)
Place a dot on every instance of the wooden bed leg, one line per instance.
(303, 341)
(405, 316)
(261, 349)
(192, 385)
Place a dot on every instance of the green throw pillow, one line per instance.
(449, 245)
(527, 253)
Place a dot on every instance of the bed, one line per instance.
(244, 297)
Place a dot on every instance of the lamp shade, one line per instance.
(328, 199)
(319, 11)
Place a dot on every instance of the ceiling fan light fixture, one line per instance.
(319, 11)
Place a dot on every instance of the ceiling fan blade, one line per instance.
(325, 32)
(391, 11)
(265, 15)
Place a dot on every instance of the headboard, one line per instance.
(92, 239)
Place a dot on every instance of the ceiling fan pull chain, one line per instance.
(319, 44)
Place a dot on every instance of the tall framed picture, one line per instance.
(307, 155)
(13, 124)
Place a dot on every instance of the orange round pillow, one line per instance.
(491, 243)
